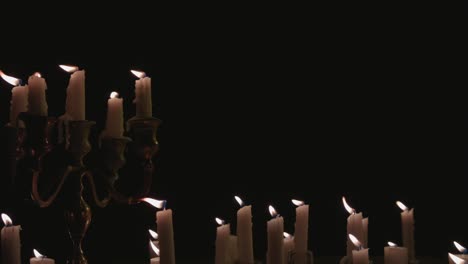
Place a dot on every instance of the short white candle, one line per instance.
(40, 259)
(275, 229)
(244, 232)
(407, 229)
(288, 246)
(361, 255)
(75, 102)
(301, 230)
(10, 242)
(355, 226)
(223, 232)
(114, 121)
(19, 99)
(395, 255)
(144, 107)
(37, 96)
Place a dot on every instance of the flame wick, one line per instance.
(297, 202)
(457, 259)
(460, 248)
(153, 234)
(239, 201)
(287, 235)
(37, 74)
(219, 221)
(10, 79)
(138, 74)
(347, 207)
(355, 241)
(37, 254)
(156, 203)
(69, 68)
(114, 95)
(391, 244)
(7, 220)
(402, 206)
(273, 212)
(155, 248)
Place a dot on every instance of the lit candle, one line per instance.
(407, 229)
(275, 228)
(456, 259)
(37, 97)
(289, 245)
(10, 242)
(114, 121)
(222, 242)
(361, 255)
(19, 99)
(233, 250)
(463, 253)
(40, 259)
(395, 255)
(155, 242)
(355, 226)
(165, 231)
(155, 250)
(301, 228)
(144, 107)
(244, 232)
(75, 103)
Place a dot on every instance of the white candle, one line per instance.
(407, 229)
(155, 251)
(222, 242)
(233, 250)
(144, 107)
(457, 259)
(275, 229)
(302, 227)
(395, 255)
(244, 232)
(40, 259)
(462, 256)
(365, 228)
(355, 226)
(288, 245)
(19, 99)
(75, 103)
(114, 121)
(361, 255)
(166, 236)
(37, 96)
(10, 242)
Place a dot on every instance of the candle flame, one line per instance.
(297, 202)
(239, 200)
(69, 68)
(153, 234)
(9, 79)
(37, 254)
(155, 248)
(347, 207)
(114, 95)
(138, 74)
(456, 259)
(219, 221)
(6, 220)
(272, 210)
(37, 74)
(156, 203)
(355, 241)
(402, 206)
(460, 248)
(391, 244)
(287, 235)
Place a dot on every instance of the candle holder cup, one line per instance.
(68, 182)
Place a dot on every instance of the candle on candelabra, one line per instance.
(357, 226)
(463, 253)
(155, 242)
(361, 255)
(223, 231)
(301, 230)
(289, 245)
(244, 232)
(407, 229)
(10, 242)
(40, 259)
(19, 99)
(275, 229)
(37, 96)
(155, 250)
(114, 121)
(144, 107)
(165, 231)
(75, 102)
(456, 259)
(395, 255)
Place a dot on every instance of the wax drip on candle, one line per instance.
(139, 74)
(219, 221)
(273, 212)
(347, 207)
(297, 202)
(160, 204)
(153, 234)
(154, 247)
(239, 201)
(460, 248)
(402, 206)
(355, 241)
(457, 259)
(10, 79)
(391, 244)
(7, 220)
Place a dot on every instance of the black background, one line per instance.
(269, 103)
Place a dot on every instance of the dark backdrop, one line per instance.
(265, 103)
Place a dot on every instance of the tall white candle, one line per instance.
(355, 226)
(288, 245)
(407, 229)
(144, 107)
(40, 259)
(19, 99)
(463, 254)
(301, 231)
(114, 121)
(361, 255)
(37, 96)
(166, 236)
(395, 255)
(10, 242)
(222, 242)
(75, 102)
(275, 229)
(244, 232)
(155, 251)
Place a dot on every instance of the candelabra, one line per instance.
(64, 182)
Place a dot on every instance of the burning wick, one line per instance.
(347, 207)
(273, 212)
(7, 220)
(460, 248)
(239, 201)
(37, 254)
(355, 241)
